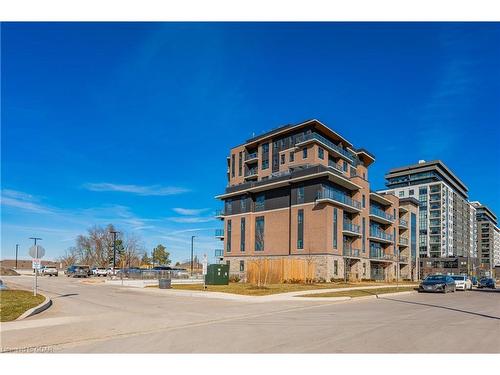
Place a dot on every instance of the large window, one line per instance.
(344, 166)
(228, 239)
(232, 165)
(242, 234)
(300, 229)
(304, 153)
(242, 266)
(260, 202)
(335, 228)
(363, 201)
(335, 267)
(363, 233)
(413, 235)
(282, 159)
(243, 205)
(240, 163)
(265, 156)
(300, 194)
(259, 233)
(321, 153)
(292, 156)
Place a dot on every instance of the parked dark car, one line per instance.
(437, 283)
(487, 282)
(78, 271)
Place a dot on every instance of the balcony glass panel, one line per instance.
(329, 193)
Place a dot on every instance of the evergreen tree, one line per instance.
(161, 255)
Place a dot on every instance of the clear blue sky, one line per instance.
(131, 123)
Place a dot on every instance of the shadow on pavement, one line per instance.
(441, 307)
(66, 295)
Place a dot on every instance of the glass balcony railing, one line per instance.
(338, 197)
(251, 156)
(403, 223)
(251, 172)
(403, 240)
(381, 255)
(219, 252)
(219, 213)
(219, 233)
(377, 233)
(326, 142)
(335, 166)
(378, 212)
(350, 252)
(349, 226)
(403, 259)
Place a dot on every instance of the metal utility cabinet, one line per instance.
(217, 274)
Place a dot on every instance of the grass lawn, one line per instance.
(253, 290)
(13, 303)
(361, 292)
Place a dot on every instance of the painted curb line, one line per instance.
(37, 309)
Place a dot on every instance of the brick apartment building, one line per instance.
(302, 191)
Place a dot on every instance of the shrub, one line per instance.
(234, 278)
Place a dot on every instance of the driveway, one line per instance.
(98, 318)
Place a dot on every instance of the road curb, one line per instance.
(37, 309)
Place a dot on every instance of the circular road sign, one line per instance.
(33, 251)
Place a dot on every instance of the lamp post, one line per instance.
(17, 249)
(114, 233)
(192, 245)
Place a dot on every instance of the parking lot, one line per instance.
(88, 316)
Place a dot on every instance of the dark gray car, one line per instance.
(437, 283)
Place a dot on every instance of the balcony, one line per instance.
(380, 236)
(351, 229)
(347, 203)
(403, 241)
(328, 144)
(403, 223)
(219, 252)
(219, 233)
(253, 157)
(377, 255)
(220, 214)
(378, 215)
(251, 173)
(350, 252)
(403, 259)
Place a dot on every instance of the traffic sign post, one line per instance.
(205, 266)
(36, 252)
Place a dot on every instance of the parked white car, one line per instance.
(462, 282)
(99, 271)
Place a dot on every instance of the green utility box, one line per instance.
(217, 274)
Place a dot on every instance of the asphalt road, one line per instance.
(95, 318)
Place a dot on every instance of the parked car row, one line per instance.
(451, 283)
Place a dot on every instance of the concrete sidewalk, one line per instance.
(290, 296)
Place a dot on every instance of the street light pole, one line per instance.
(17, 249)
(114, 232)
(35, 287)
(192, 243)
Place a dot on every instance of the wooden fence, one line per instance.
(273, 271)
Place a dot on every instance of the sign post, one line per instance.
(36, 252)
(205, 266)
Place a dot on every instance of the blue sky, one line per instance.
(130, 123)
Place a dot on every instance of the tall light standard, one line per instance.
(17, 249)
(114, 233)
(192, 243)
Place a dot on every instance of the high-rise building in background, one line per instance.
(488, 245)
(447, 238)
(298, 199)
